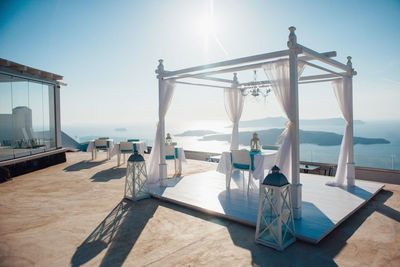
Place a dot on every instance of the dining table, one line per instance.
(261, 162)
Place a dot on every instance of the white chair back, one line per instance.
(241, 157)
(100, 143)
(169, 150)
(126, 146)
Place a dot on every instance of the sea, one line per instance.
(381, 156)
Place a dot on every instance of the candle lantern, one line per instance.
(136, 178)
(168, 140)
(275, 224)
(255, 143)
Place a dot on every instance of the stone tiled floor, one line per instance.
(72, 214)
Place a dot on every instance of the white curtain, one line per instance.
(166, 93)
(234, 106)
(342, 89)
(278, 74)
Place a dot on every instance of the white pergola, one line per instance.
(296, 56)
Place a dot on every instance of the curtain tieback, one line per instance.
(284, 133)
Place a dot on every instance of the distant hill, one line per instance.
(280, 121)
(269, 137)
(196, 133)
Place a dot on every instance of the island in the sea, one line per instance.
(280, 121)
(196, 133)
(120, 129)
(306, 137)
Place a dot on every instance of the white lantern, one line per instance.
(168, 139)
(275, 224)
(136, 178)
(255, 144)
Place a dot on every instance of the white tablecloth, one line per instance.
(261, 162)
(141, 147)
(90, 148)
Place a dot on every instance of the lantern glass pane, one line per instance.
(129, 180)
(140, 179)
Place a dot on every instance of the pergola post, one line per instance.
(161, 121)
(350, 162)
(294, 92)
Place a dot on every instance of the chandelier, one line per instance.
(256, 88)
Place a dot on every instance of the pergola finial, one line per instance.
(160, 67)
(349, 64)
(235, 78)
(292, 37)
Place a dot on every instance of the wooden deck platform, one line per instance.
(324, 207)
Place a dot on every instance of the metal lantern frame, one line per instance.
(275, 217)
(136, 187)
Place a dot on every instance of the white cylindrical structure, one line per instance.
(161, 121)
(350, 163)
(293, 69)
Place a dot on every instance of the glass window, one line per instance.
(6, 125)
(22, 117)
(27, 117)
(36, 106)
(49, 125)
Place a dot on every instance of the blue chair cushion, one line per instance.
(127, 151)
(245, 166)
(104, 147)
(241, 166)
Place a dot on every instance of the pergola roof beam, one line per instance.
(322, 68)
(327, 54)
(320, 76)
(205, 85)
(237, 61)
(239, 68)
(319, 81)
(214, 79)
(314, 78)
(309, 52)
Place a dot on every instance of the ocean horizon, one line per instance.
(381, 156)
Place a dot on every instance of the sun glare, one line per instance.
(207, 27)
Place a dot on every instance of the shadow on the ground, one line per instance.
(83, 165)
(109, 174)
(117, 233)
(305, 254)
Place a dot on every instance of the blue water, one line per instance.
(383, 156)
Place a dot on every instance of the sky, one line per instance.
(108, 51)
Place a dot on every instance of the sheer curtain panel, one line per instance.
(278, 74)
(166, 93)
(345, 167)
(234, 106)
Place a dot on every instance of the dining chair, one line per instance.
(241, 161)
(125, 148)
(170, 154)
(102, 144)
